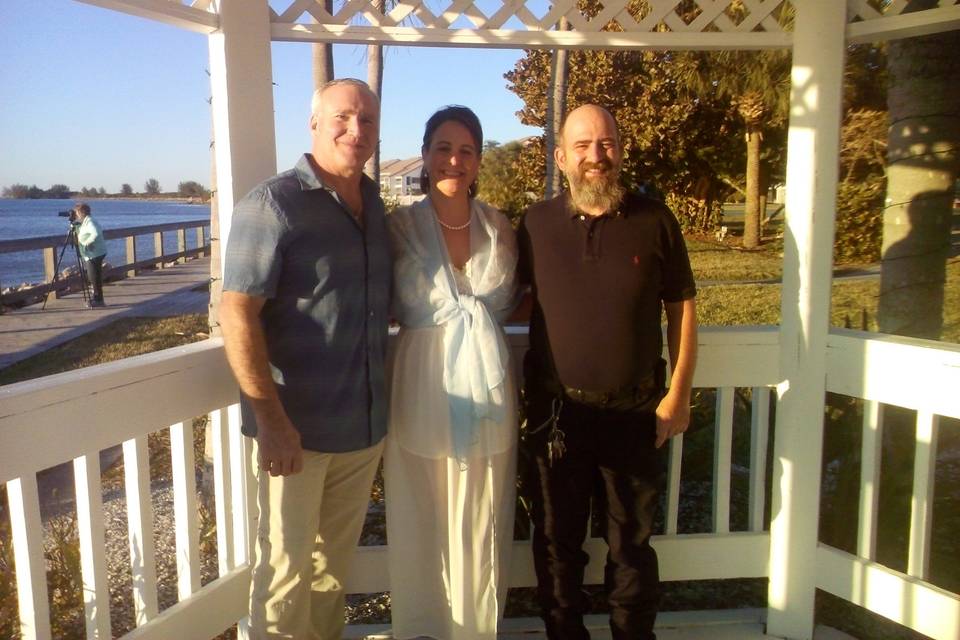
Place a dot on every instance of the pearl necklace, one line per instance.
(453, 227)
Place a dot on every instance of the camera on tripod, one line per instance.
(71, 214)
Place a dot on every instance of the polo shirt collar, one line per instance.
(310, 181)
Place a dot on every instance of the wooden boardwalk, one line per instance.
(176, 290)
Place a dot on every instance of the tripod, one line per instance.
(70, 241)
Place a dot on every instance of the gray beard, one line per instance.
(605, 194)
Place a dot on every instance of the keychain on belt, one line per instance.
(556, 446)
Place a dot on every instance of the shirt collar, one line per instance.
(310, 181)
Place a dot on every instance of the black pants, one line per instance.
(94, 268)
(616, 450)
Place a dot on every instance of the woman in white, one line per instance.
(450, 460)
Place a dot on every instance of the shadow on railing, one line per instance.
(52, 248)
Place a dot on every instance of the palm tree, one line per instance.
(375, 80)
(323, 56)
(922, 169)
(758, 87)
(556, 109)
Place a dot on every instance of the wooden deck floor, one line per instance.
(732, 624)
(173, 291)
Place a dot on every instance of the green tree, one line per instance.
(18, 191)
(59, 191)
(501, 184)
(192, 189)
(126, 189)
(152, 187)
(669, 141)
(756, 85)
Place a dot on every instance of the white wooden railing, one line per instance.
(73, 416)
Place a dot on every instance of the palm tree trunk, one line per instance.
(922, 161)
(556, 108)
(751, 213)
(375, 80)
(322, 56)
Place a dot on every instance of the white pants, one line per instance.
(308, 529)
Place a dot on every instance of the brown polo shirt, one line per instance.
(598, 285)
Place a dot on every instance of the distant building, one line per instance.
(401, 177)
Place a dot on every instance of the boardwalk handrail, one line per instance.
(51, 244)
(44, 242)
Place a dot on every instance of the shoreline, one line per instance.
(142, 198)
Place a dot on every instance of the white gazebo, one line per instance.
(800, 360)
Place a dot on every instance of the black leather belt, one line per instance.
(601, 398)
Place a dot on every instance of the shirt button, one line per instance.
(583, 217)
(371, 314)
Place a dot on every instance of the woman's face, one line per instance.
(452, 160)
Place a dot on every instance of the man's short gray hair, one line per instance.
(317, 99)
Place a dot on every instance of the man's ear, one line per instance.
(560, 158)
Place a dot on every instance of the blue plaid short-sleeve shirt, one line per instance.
(327, 283)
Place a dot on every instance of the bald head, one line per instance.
(588, 114)
(589, 154)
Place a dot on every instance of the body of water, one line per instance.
(33, 218)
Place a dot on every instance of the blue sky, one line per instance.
(92, 97)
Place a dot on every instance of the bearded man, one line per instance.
(601, 263)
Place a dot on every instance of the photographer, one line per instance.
(93, 249)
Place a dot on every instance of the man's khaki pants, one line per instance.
(309, 527)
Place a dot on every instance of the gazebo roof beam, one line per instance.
(173, 13)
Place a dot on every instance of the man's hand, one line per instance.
(673, 417)
(278, 447)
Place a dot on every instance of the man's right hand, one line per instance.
(278, 448)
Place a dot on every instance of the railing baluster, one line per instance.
(143, 565)
(158, 248)
(27, 532)
(722, 450)
(674, 464)
(759, 438)
(870, 451)
(181, 245)
(241, 477)
(93, 556)
(131, 244)
(186, 521)
(223, 495)
(921, 506)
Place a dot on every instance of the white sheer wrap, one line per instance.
(425, 294)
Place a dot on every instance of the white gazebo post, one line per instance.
(241, 80)
(812, 167)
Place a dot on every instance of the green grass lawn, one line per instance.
(853, 304)
(124, 338)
